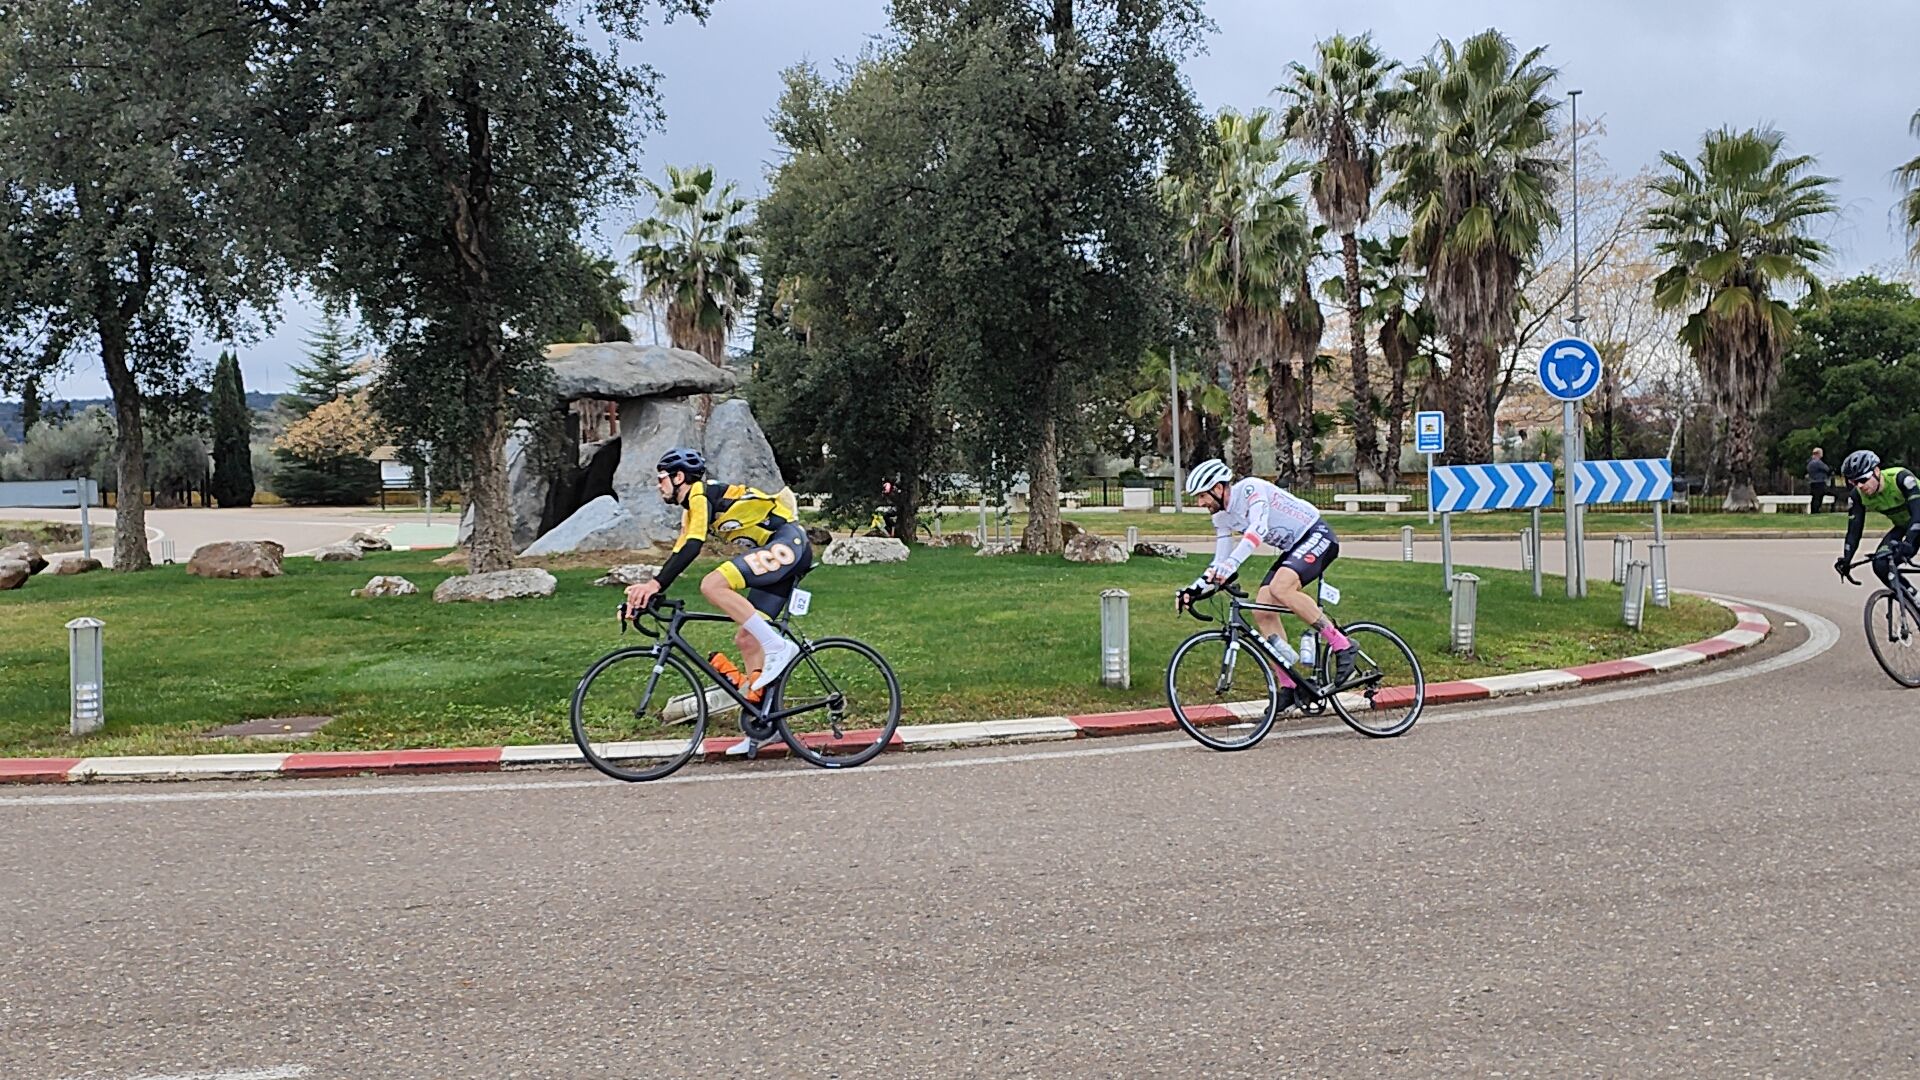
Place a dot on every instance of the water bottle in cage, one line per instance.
(1278, 643)
(1306, 648)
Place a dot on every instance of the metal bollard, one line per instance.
(1116, 656)
(164, 549)
(1622, 555)
(1633, 599)
(1526, 549)
(1466, 607)
(1133, 537)
(86, 676)
(1406, 543)
(1662, 596)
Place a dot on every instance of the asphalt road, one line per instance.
(298, 529)
(1711, 875)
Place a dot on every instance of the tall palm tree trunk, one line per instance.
(1740, 455)
(1366, 435)
(1283, 410)
(1398, 355)
(1239, 357)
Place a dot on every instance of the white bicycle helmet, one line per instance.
(1859, 465)
(1206, 474)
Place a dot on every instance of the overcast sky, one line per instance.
(1838, 77)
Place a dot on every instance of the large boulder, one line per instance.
(1155, 550)
(620, 370)
(345, 551)
(737, 451)
(76, 564)
(1069, 530)
(1089, 548)
(526, 581)
(1000, 547)
(367, 541)
(952, 540)
(648, 429)
(237, 559)
(862, 550)
(602, 525)
(13, 574)
(628, 574)
(387, 585)
(26, 551)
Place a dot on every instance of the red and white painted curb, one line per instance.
(1752, 628)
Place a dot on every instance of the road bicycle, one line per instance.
(641, 712)
(1893, 624)
(1222, 686)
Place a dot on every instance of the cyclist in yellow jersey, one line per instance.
(768, 574)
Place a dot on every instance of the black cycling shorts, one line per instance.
(1309, 556)
(771, 572)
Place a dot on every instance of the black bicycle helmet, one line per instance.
(683, 460)
(1859, 465)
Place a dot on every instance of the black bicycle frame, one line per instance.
(673, 641)
(1235, 621)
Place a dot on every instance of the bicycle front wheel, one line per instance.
(843, 700)
(1221, 690)
(1386, 692)
(1894, 635)
(638, 714)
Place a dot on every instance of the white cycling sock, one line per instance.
(763, 632)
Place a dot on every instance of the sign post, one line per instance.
(1570, 369)
(1429, 438)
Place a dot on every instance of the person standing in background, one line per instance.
(1818, 474)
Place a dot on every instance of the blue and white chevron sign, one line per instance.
(1520, 486)
(1633, 480)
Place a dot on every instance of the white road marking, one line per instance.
(283, 1072)
(1822, 636)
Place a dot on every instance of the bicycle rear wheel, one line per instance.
(638, 715)
(848, 703)
(1387, 676)
(1221, 690)
(1894, 635)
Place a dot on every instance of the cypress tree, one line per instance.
(232, 436)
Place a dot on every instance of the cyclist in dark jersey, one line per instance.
(1892, 491)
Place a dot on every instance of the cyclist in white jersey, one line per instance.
(1251, 512)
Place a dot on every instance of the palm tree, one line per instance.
(1475, 179)
(1736, 225)
(1244, 235)
(1341, 109)
(1202, 404)
(1909, 177)
(694, 258)
(1394, 305)
(1295, 339)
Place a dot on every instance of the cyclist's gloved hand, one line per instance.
(1903, 551)
(1840, 566)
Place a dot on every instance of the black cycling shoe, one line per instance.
(1344, 662)
(1289, 697)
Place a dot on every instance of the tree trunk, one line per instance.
(1366, 435)
(1309, 452)
(490, 545)
(1397, 353)
(29, 404)
(1283, 410)
(1042, 535)
(1470, 383)
(1740, 453)
(129, 450)
(1239, 370)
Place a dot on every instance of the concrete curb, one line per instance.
(1752, 628)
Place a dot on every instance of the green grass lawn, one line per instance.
(1153, 523)
(970, 638)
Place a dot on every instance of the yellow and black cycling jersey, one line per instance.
(717, 511)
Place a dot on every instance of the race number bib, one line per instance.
(1328, 594)
(802, 600)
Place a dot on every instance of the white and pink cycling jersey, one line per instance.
(1258, 512)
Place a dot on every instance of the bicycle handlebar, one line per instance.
(633, 615)
(1228, 586)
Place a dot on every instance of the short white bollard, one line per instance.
(1526, 549)
(1633, 599)
(1133, 537)
(86, 676)
(1116, 656)
(1466, 608)
(1662, 595)
(1622, 555)
(1406, 543)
